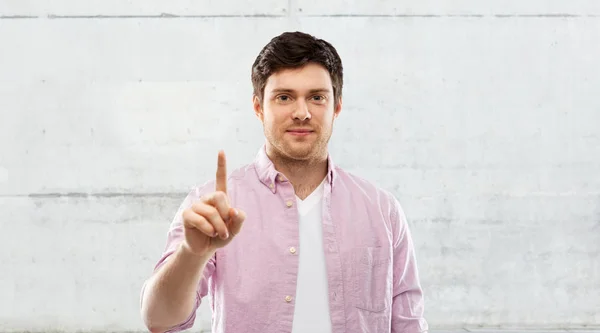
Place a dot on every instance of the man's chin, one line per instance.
(299, 151)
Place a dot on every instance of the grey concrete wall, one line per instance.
(482, 117)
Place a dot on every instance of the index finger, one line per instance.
(221, 184)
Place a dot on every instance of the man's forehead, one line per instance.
(298, 85)
(304, 78)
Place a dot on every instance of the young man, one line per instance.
(320, 250)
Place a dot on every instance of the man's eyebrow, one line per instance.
(312, 91)
(280, 90)
(320, 90)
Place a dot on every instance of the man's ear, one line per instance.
(338, 108)
(256, 104)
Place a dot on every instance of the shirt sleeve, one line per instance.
(407, 302)
(174, 238)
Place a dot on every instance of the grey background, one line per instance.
(482, 118)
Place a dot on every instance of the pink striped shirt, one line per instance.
(373, 282)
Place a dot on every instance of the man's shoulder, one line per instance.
(237, 176)
(371, 194)
(360, 185)
(243, 172)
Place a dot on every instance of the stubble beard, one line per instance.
(286, 152)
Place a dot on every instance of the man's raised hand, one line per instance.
(212, 223)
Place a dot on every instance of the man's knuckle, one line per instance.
(214, 213)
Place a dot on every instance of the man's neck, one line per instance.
(305, 175)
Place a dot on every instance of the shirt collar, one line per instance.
(265, 170)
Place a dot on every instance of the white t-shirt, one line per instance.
(311, 311)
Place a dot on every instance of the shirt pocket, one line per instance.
(372, 278)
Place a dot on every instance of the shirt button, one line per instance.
(280, 178)
(271, 185)
(288, 298)
(292, 250)
(289, 203)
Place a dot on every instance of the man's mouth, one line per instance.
(300, 131)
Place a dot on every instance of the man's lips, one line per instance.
(299, 131)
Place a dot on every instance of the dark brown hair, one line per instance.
(294, 50)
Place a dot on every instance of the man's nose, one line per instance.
(301, 111)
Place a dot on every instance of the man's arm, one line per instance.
(204, 222)
(170, 297)
(407, 303)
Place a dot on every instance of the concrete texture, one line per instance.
(481, 117)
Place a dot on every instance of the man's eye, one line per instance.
(319, 98)
(283, 98)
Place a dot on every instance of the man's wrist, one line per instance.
(187, 253)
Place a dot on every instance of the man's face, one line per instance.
(298, 111)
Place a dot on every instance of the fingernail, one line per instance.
(235, 212)
(215, 234)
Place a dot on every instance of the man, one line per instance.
(289, 242)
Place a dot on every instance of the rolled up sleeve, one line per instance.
(175, 237)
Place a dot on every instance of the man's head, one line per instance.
(297, 82)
